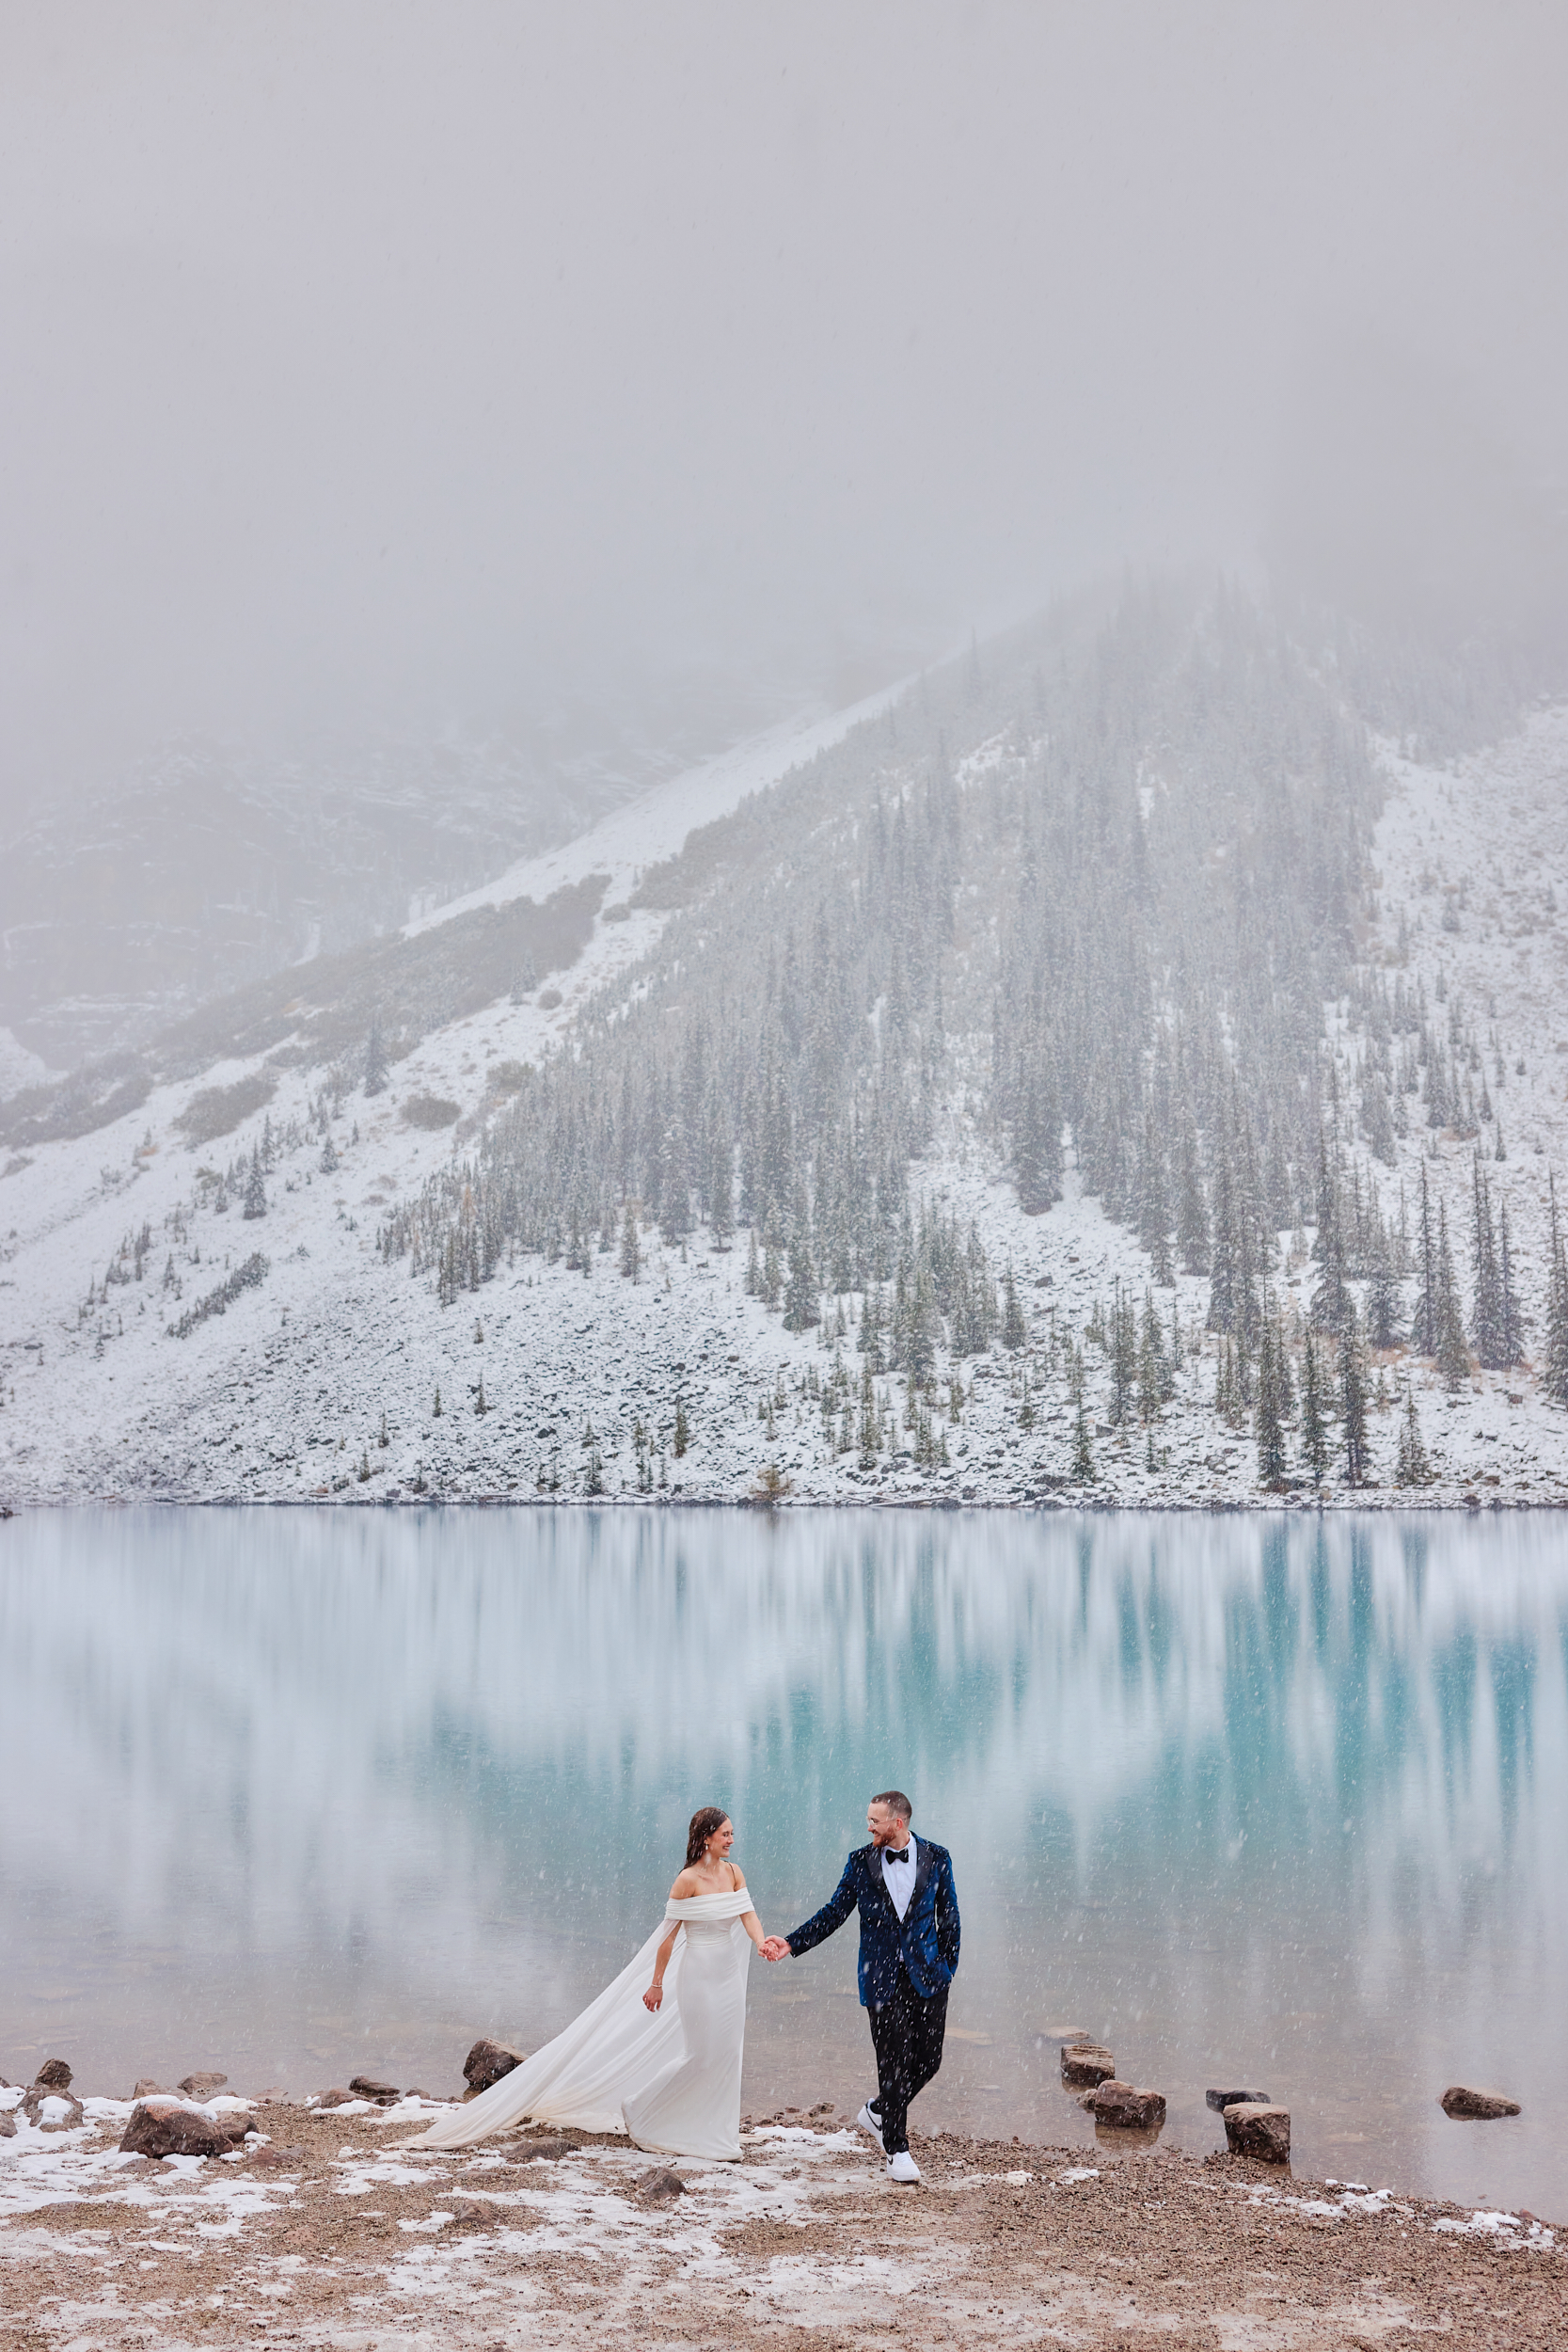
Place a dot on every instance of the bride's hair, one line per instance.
(706, 1818)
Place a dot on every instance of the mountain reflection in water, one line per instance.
(1261, 1800)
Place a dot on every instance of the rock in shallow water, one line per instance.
(165, 2127)
(1262, 2132)
(1127, 2108)
(1084, 2064)
(1476, 2106)
(1220, 2100)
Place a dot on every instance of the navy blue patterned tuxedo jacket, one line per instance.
(925, 1940)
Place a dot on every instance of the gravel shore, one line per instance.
(328, 2230)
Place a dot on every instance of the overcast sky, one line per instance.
(406, 365)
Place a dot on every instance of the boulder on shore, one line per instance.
(1127, 2108)
(365, 2087)
(660, 2187)
(1084, 2064)
(1254, 2128)
(168, 2127)
(201, 2085)
(54, 2074)
(7, 2124)
(1476, 2106)
(1220, 2100)
(40, 2096)
(336, 2097)
(147, 2089)
(487, 2062)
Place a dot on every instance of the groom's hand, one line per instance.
(775, 1947)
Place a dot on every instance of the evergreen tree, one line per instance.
(1453, 1355)
(1428, 1318)
(1331, 1302)
(1352, 1399)
(1014, 1330)
(1124, 1355)
(1412, 1465)
(802, 1303)
(1554, 1371)
(721, 1192)
(682, 1429)
(1488, 1318)
(1270, 1418)
(1037, 1137)
(1191, 1215)
(1222, 1282)
(631, 1244)
(1513, 1321)
(1082, 1473)
(375, 1060)
(1314, 1427)
(254, 1189)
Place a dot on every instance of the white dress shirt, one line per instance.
(898, 1876)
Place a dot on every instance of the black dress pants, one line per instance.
(907, 2033)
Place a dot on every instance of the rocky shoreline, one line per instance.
(319, 2225)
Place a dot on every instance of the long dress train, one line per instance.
(669, 2079)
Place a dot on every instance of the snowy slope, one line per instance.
(289, 1394)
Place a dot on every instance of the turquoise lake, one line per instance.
(1255, 1801)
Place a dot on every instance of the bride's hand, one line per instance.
(654, 1997)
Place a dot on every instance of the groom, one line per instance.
(909, 1909)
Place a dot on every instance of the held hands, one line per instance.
(775, 1947)
(653, 1997)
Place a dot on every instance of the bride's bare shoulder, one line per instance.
(685, 1885)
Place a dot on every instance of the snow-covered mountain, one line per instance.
(988, 1095)
(210, 866)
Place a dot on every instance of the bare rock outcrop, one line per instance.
(1476, 2106)
(1258, 2130)
(54, 2074)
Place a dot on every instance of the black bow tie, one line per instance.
(890, 1856)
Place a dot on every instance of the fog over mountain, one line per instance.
(408, 375)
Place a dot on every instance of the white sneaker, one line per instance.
(868, 2122)
(903, 2167)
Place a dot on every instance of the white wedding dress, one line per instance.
(670, 2078)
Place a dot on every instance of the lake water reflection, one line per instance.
(294, 1794)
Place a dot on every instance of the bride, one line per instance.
(660, 2061)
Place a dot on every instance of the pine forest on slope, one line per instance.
(1097, 908)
